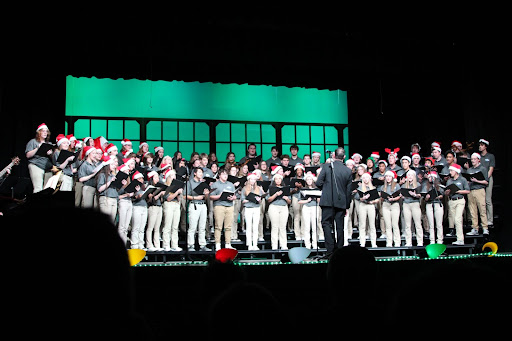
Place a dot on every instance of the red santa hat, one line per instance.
(316, 154)
(107, 159)
(437, 148)
(384, 162)
(164, 166)
(392, 173)
(484, 141)
(366, 175)
(252, 176)
(375, 155)
(432, 174)
(126, 152)
(349, 161)
(123, 167)
(87, 150)
(456, 143)
(157, 149)
(151, 174)
(111, 147)
(98, 144)
(357, 154)
(42, 126)
(169, 172)
(435, 144)
(455, 167)
(71, 137)
(415, 156)
(137, 175)
(61, 139)
(125, 142)
(476, 155)
(276, 169)
(143, 143)
(299, 165)
(310, 175)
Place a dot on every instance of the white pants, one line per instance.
(278, 219)
(153, 228)
(367, 213)
(391, 215)
(125, 209)
(310, 221)
(139, 220)
(108, 206)
(89, 197)
(38, 176)
(172, 213)
(435, 222)
(412, 212)
(252, 221)
(66, 183)
(197, 223)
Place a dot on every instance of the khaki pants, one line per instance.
(391, 215)
(89, 197)
(456, 209)
(297, 219)
(367, 213)
(78, 193)
(263, 213)
(153, 228)
(171, 212)
(278, 218)
(252, 221)
(108, 206)
(236, 212)
(477, 208)
(435, 222)
(38, 176)
(197, 216)
(223, 219)
(488, 201)
(66, 183)
(139, 220)
(125, 209)
(309, 223)
(412, 213)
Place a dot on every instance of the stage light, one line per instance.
(493, 246)
(298, 254)
(135, 256)
(434, 250)
(224, 255)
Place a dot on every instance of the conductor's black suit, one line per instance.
(335, 180)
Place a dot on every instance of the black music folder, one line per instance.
(374, 194)
(149, 189)
(293, 181)
(234, 179)
(274, 189)
(174, 186)
(225, 195)
(462, 160)
(120, 176)
(199, 189)
(392, 195)
(251, 162)
(252, 197)
(477, 175)
(377, 182)
(405, 192)
(44, 148)
(354, 185)
(160, 186)
(131, 186)
(312, 169)
(64, 154)
(264, 184)
(452, 188)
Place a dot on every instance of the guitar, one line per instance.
(14, 162)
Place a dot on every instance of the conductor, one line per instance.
(334, 180)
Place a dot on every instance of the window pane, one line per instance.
(266, 151)
(222, 131)
(202, 147)
(331, 135)
(253, 133)
(170, 148)
(98, 128)
(186, 131)
(82, 129)
(170, 130)
(115, 130)
(222, 151)
(132, 130)
(239, 150)
(302, 134)
(268, 133)
(154, 130)
(238, 132)
(288, 135)
(202, 132)
(303, 149)
(286, 149)
(345, 135)
(186, 149)
(317, 134)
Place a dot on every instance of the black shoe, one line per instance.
(451, 233)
